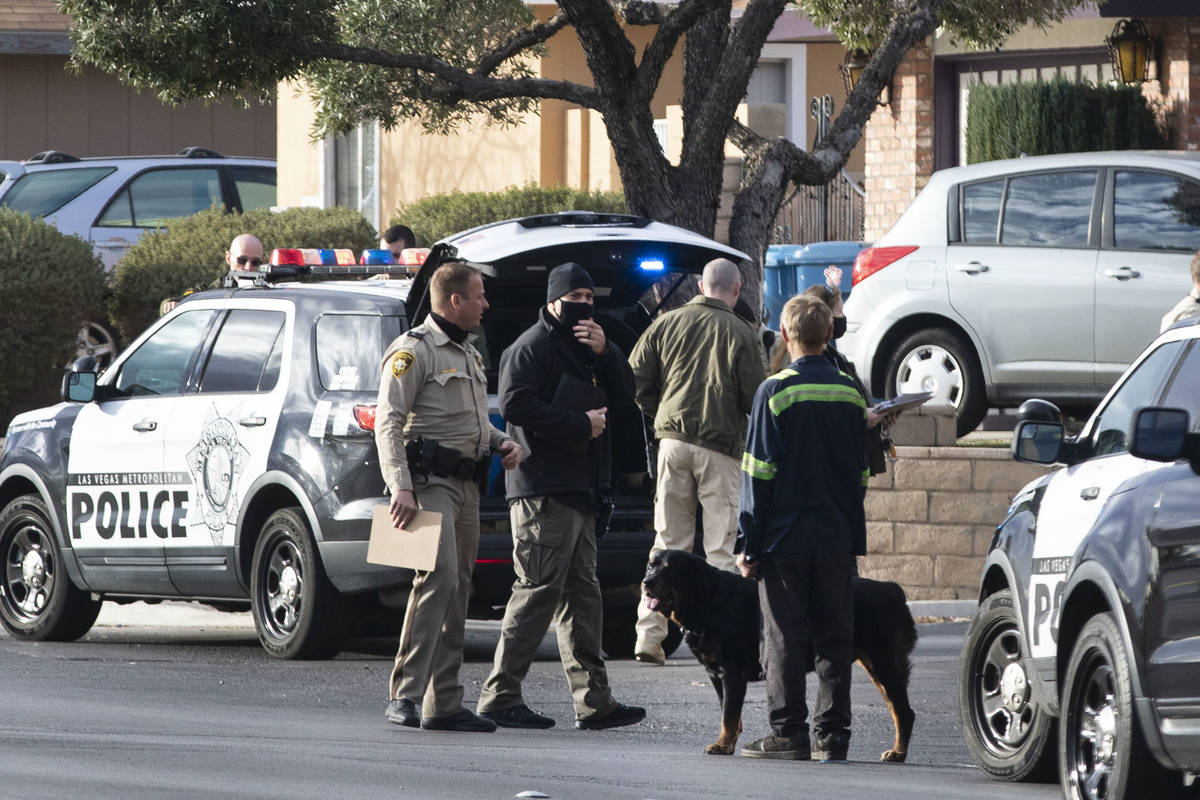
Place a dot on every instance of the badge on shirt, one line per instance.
(401, 362)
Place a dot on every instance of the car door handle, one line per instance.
(145, 426)
(114, 243)
(1122, 273)
(1090, 493)
(252, 422)
(971, 268)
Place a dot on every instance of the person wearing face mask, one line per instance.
(557, 382)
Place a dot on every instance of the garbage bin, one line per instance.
(792, 268)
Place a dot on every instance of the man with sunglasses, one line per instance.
(244, 257)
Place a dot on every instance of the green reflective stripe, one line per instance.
(783, 373)
(816, 393)
(866, 476)
(763, 470)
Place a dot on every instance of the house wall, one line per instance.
(823, 77)
(43, 107)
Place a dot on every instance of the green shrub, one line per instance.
(436, 217)
(1058, 116)
(49, 285)
(189, 253)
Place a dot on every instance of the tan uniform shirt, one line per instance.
(436, 389)
(1189, 306)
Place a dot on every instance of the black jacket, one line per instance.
(561, 458)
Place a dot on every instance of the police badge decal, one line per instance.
(216, 464)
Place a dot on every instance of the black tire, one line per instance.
(940, 361)
(1009, 733)
(619, 634)
(1101, 752)
(37, 599)
(98, 340)
(296, 608)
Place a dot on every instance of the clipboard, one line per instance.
(902, 402)
(414, 547)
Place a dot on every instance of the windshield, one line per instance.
(41, 193)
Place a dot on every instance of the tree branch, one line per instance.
(643, 12)
(523, 40)
(671, 26)
(609, 53)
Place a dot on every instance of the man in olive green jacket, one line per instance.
(695, 371)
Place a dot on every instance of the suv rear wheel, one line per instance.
(938, 360)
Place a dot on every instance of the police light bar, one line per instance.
(289, 262)
(376, 257)
(652, 265)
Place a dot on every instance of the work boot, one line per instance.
(792, 748)
(521, 716)
(619, 716)
(650, 653)
(465, 720)
(832, 746)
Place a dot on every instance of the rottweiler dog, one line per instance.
(719, 614)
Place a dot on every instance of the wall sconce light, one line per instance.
(1130, 48)
(852, 67)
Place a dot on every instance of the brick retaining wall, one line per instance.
(930, 517)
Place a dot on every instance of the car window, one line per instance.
(349, 352)
(255, 186)
(1154, 211)
(1184, 391)
(981, 211)
(242, 353)
(1050, 209)
(156, 196)
(42, 193)
(1110, 433)
(160, 365)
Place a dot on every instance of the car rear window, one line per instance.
(350, 350)
(41, 193)
(1051, 209)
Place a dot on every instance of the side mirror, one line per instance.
(79, 385)
(1159, 434)
(1036, 442)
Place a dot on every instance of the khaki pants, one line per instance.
(554, 555)
(689, 474)
(431, 643)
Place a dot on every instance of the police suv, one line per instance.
(1084, 653)
(228, 455)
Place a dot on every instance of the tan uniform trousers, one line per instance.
(431, 642)
(689, 474)
(554, 555)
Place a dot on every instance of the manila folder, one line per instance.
(414, 547)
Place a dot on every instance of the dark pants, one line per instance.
(808, 610)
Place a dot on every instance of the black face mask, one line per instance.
(572, 313)
(839, 327)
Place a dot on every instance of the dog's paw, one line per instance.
(894, 756)
(718, 749)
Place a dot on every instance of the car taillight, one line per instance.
(364, 415)
(873, 259)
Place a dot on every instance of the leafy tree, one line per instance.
(442, 61)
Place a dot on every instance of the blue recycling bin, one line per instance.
(792, 268)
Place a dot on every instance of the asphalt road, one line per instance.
(174, 701)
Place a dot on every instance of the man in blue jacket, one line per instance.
(557, 381)
(801, 525)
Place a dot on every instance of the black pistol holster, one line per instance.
(428, 457)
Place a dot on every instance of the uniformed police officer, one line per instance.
(434, 441)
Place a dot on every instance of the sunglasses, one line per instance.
(244, 260)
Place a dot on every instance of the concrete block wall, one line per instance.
(931, 516)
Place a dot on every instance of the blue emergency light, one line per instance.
(376, 257)
(652, 265)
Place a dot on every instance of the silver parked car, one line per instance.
(1038, 276)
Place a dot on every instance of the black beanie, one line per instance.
(565, 278)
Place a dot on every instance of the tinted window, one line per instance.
(240, 358)
(1111, 432)
(156, 196)
(255, 186)
(1156, 212)
(1184, 391)
(349, 352)
(160, 364)
(981, 211)
(1051, 209)
(42, 193)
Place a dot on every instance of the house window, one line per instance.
(352, 171)
(768, 84)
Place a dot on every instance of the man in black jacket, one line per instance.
(556, 382)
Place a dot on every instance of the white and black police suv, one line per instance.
(228, 455)
(1084, 653)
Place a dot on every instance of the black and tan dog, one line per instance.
(719, 614)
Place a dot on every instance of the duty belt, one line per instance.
(425, 457)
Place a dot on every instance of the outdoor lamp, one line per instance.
(852, 67)
(1130, 48)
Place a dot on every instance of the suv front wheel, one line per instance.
(939, 361)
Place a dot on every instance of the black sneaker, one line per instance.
(832, 746)
(521, 716)
(792, 748)
(403, 712)
(465, 720)
(620, 715)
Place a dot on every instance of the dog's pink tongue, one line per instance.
(652, 603)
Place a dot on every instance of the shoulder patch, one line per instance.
(415, 334)
(401, 362)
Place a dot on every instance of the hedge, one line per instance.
(189, 253)
(1058, 116)
(50, 284)
(436, 217)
